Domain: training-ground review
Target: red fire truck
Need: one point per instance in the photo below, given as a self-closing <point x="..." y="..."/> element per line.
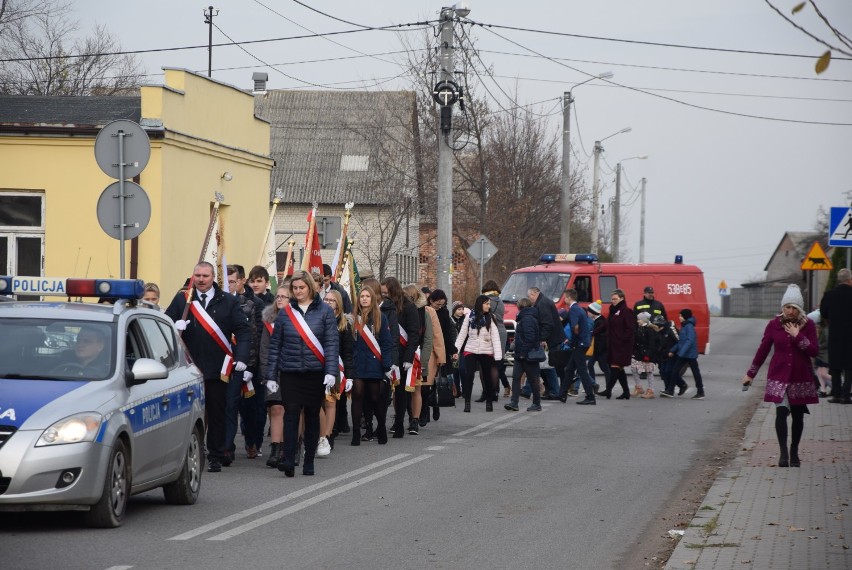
<point x="676" y="286"/>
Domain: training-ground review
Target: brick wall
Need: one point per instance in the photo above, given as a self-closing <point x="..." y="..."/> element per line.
<point x="465" y="276"/>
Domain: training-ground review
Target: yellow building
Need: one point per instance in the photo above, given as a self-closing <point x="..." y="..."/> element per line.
<point x="205" y="138"/>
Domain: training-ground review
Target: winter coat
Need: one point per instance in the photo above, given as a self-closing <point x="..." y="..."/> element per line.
<point x="550" y="329"/>
<point x="836" y="308"/>
<point x="484" y="340"/>
<point x="448" y="329"/>
<point x="366" y="365"/>
<point x="433" y="353"/>
<point x="389" y="311"/>
<point x="687" y="344"/>
<point x="667" y="339"/>
<point x="270" y="313"/>
<point x="620" y="327"/>
<point x="347" y="347"/>
<point x="409" y="320"/>
<point x="527" y="336"/>
<point x="225" y="311"/>
<point x="646" y="345"/>
<point x="653" y="308"/>
<point x="599" y="334"/>
<point x="253" y="310"/>
<point x="579" y="323"/>
<point x="790" y="368"/>
<point x="498" y="309"/>
<point x="289" y="353"/>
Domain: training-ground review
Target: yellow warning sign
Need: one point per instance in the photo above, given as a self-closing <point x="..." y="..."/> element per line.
<point x="816" y="259"/>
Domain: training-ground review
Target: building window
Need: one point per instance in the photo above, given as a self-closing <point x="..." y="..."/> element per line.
<point x="22" y="235"/>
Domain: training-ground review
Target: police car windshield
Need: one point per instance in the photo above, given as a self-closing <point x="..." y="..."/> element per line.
<point x="551" y="284"/>
<point x="37" y="349"/>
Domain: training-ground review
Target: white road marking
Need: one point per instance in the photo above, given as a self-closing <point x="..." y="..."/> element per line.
<point x="317" y="499"/>
<point x="502" y="426"/>
<point x="483" y="426"/>
<point x="435" y="448"/>
<point x="290" y="496"/>
<point x="119" y="568"/>
<point x="453" y="440"/>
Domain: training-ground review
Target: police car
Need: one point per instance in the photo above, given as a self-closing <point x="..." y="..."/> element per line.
<point x="97" y="402"/>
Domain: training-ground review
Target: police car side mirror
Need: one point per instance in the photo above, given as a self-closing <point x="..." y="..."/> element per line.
<point x="145" y="369"/>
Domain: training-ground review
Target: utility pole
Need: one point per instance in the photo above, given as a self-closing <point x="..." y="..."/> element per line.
<point x="596" y="197"/>
<point x="208" y="19"/>
<point x="642" y="226"/>
<point x="446" y="93"/>
<point x="616" y="214"/>
<point x="565" y="196"/>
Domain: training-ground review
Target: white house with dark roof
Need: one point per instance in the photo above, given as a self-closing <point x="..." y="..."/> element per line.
<point x="337" y="147"/>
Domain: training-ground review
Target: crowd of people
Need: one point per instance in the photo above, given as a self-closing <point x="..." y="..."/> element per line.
<point x="305" y="364"/>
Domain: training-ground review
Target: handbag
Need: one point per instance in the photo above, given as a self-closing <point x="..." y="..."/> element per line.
<point x="536" y="355"/>
<point x="441" y="395"/>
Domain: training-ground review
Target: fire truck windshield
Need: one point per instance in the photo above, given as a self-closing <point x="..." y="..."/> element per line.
<point x="551" y="284"/>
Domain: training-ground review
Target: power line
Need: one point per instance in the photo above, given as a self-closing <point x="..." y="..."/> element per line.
<point x="641" y="42"/>
<point x="205" y="46"/>
<point x="672" y="99"/>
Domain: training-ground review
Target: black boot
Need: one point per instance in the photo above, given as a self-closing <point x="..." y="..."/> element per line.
<point x="467" y="405"/>
<point x="275" y="451"/>
<point x="414" y="427"/>
<point x="397" y="429"/>
<point x="783" y="459"/>
<point x="794" y="457"/>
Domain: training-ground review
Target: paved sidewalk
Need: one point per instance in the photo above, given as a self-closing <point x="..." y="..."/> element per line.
<point x="757" y="515"/>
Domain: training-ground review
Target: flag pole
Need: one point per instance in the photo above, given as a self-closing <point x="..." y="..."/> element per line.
<point x="309" y="241"/>
<point x="261" y="258"/>
<point x="353" y="290"/>
<point x="219" y="198"/>
<point x="341" y="259"/>
<point x="287" y="264"/>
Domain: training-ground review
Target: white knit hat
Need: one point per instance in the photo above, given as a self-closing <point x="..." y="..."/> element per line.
<point x="815" y="316"/>
<point x="595" y="307"/>
<point x="793" y="296"/>
<point x="644" y="317"/>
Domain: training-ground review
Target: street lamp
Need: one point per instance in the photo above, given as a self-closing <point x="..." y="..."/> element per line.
<point x="596" y="188"/>
<point x="616" y="211"/>
<point x="565" y="195"/>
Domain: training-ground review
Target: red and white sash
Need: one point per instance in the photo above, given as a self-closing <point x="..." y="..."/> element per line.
<point x="219" y="338"/>
<point x="413" y="373"/>
<point x="403" y="336"/>
<point x="344" y="381"/>
<point x="305" y="332"/>
<point x="270" y="328"/>
<point x="368" y="337"/>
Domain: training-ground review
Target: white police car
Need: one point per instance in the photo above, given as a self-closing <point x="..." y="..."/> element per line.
<point x="97" y="402"/>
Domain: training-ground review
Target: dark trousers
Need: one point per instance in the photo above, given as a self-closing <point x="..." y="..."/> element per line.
<point x="841" y="389"/>
<point x="214" y="406"/>
<point x="680" y="364"/>
<point x="533" y="372"/>
<point x="489" y="381"/>
<point x="232" y="411"/>
<point x="401" y="400"/>
<point x="341" y="416"/>
<point x="253" y="412"/>
<point x="602" y="364"/>
<point x="577" y="364"/>
<point x="291" y="432"/>
<point x="667" y="374"/>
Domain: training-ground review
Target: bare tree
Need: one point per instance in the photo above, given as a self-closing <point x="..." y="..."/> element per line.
<point x="39" y="54"/>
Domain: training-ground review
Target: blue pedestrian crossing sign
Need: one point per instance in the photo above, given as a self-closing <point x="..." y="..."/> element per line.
<point x="840" y="227"/>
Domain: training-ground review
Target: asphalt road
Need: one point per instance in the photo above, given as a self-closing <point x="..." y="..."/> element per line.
<point x="571" y="487"/>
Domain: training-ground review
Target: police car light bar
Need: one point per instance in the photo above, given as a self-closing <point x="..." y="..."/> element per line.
<point x="568" y="257"/>
<point x="62" y="287"/>
<point x="119" y="288"/>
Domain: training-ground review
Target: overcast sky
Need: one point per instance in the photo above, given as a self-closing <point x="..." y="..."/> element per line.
<point x="722" y="188"/>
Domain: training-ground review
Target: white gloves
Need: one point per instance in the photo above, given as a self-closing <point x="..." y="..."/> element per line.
<point x="395" y="372"/>
<point x="406" y="366"/>
<point x="240" y="367"/>
<point x="348" y="387"/>
<point x="247" y="376"/>
<point x="181" y="325"/>
<point x="329" y="381"/>
<point x="271" y="386"/>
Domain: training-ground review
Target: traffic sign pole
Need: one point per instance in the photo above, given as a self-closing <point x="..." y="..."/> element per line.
<point x="120" y="136"/>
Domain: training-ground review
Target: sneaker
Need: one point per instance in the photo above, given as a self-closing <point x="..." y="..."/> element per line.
<point x="534" y="408"/>
<point x="214" y="465"/>
<point x="414" y="427"/>
<point x="259" y="451"/>
<point x="822" y="394"/>
<point x="698" y="396"/>
<point x="649" y="393"/>
<point x="572" y="393"/>
<point x="666" y="394"/>
<point x="323" y="448"/>
<point x="512" y="407"/>
<point x="683" y="389"/>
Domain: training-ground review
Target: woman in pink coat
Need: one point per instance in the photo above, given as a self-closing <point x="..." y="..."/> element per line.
<point x="789" y="381"/>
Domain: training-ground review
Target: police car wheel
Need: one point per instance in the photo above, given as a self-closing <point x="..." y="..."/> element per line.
<point x="185" y="490"/>
<point x="108" y="512"/>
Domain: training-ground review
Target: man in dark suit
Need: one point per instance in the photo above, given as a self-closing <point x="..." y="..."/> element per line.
<point x="552" y="335"/>
<point x="214" y="319"/>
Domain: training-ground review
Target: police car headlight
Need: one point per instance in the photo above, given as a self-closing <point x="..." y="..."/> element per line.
<point x="73" y="429"/>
